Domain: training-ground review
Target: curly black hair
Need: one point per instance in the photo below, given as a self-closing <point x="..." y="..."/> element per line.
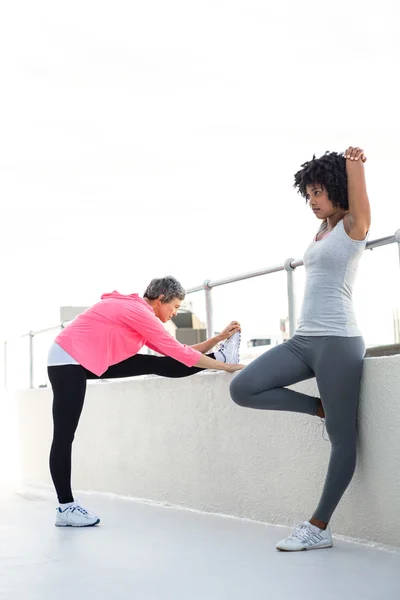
<point x="330" y="171"/>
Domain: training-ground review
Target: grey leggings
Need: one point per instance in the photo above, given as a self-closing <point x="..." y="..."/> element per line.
<point x="336" y="362"/>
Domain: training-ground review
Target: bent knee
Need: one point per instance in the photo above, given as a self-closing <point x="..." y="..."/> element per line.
<point x="240" y="390"/>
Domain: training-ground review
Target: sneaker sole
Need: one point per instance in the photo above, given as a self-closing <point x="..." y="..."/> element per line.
<point x="302" y="549"/>
<point x="67" y="525"/>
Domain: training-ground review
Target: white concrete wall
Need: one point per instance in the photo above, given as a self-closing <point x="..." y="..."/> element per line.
<point x="185" y="442"/>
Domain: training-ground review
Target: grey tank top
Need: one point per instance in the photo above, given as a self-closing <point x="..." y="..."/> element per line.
<point x="331" y="267"/>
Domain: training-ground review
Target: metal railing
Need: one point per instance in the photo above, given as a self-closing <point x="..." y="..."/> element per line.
<point x="289" y="266"/>
<point x="30" y="335"/>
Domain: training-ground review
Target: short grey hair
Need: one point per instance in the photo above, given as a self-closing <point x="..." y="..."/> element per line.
<point x="168" y="287"/>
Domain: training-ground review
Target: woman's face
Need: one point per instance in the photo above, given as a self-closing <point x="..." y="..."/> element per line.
<point x="318" y="200"/>
<point x="165" y="311"/>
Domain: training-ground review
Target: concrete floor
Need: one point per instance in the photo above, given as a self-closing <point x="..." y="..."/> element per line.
<point x="147" y="552"/>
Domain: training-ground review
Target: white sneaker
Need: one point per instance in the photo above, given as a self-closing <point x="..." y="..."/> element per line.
<point x="307" y="537"/>
<point x="324" y="432"/>
<point x="75" y="516"/>
<point x="228" y="351"/>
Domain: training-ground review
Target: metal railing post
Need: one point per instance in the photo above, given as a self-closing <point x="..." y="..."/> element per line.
<point x="31" y="336"/>
<point x="289" y="266"/>
<point x="397" y="236"/>
<point x="291" y="295"/>
<point x="209" y="308"/>
<point x="5" y="365"/>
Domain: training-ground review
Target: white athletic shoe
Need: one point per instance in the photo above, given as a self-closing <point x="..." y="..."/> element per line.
<point x="228" y="351"/>
<point x="324" y="432"/>
<point x="75" y="516"/>
<point x="306" y="537"/>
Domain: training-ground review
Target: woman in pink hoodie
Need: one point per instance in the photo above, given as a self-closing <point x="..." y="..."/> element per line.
<point x="103" y="343"/>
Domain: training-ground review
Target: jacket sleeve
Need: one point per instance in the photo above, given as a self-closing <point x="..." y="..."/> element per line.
<point x="152" y="347"/>
<point x="157" y="338"/>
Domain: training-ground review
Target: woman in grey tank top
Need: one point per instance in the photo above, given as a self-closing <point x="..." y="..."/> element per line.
<point x="327" y="343"/>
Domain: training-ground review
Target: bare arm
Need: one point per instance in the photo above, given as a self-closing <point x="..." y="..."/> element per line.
<point x="206" y="362"/>
<point x="358" y="220"/>
<point x="208" y="345"/>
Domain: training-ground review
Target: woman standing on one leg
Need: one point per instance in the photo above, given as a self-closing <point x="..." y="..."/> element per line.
<point x="102" y="343"/>
<point x="327" y="343"/>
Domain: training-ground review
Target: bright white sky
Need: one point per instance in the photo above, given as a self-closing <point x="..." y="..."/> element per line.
<point x="139" y="139"/>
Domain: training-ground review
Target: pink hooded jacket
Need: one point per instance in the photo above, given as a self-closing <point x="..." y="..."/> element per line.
<point x="116" y="328"/>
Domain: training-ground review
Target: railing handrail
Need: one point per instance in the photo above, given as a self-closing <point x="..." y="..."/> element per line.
<point x="294" y="263"/>
<point x="234" y="278"/>
<point x="33" y="333"/>
<point x="289" y="266"/>
<point x="385" y="241"/>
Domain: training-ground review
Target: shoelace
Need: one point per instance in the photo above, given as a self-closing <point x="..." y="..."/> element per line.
<point x="224" y="344"/>
<point x="304" y="533"/>
<point x="223" y="348"/>
<point x="229" y="340"/>
<point x="80" y="509"/>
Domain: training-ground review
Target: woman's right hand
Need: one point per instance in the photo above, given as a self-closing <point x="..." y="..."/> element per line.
<point x="233" y="368"/>
<point x="355" y="154"/>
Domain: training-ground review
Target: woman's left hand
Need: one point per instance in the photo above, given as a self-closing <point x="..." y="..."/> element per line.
<point x="355" y="154"/>
<point x="232" y="328"/>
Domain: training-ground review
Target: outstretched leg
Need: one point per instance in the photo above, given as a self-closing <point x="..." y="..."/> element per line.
<point x="145" y="364"/>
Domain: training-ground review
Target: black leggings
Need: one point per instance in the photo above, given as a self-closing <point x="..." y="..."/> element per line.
<point x="69" y="388"/>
